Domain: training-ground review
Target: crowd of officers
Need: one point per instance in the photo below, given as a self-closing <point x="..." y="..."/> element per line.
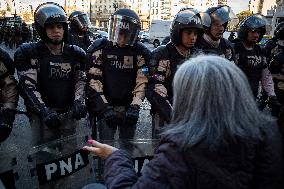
<point x="67" y="72"/>
<point x="14" y="35"/>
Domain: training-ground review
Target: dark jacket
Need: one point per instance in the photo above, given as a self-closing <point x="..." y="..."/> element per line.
<point x="239" y="165"/>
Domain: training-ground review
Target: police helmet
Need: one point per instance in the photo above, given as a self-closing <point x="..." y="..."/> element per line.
<point x="186" y="18"/>
<point x="124" y="22"/>
<point x="224" y="14"/>
<point x="78" y="21"/>
<point x="49" y="13"/>
<point x="254" y="22"/>
<point x="279" y="31"/>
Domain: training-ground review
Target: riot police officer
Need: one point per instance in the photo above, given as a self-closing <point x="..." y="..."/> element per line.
<point x="51" y="76"/>
<point x="212" y="41"/>
<point x="251" y="59"/>
<point x="276" y="64"/>
<point x="79" y="34"/>
<point x="25" y="33"/>
<point x="116" y="82"/>
<point x="186" y="28"/>
<point x="271" y="47"/>
<point x="9" y="95"/>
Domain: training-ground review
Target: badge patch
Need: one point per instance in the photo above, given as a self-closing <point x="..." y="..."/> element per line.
<point x="128" y="62"/>
<point x="60" y="71"/>
<point x="62" y="167"/>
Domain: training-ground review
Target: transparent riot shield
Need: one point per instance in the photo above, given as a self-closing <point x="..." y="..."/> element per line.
<point x="141" y="151"/>
<point x="60" y="165"/>
<point x="60" y="162"/>
<point x="71" y="168"/>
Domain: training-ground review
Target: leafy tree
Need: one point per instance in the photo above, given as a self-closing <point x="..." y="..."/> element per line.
<point x="242" y="15"/>
<point x="8" y="8"/>
<point x="3" y="13"/>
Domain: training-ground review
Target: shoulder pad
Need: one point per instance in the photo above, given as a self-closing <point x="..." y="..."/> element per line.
<point x="159" y="53"/>
<point x="7" y="61"/>
<point x="77" y="51"/>
<point x="142" y="50"/>
<point x="24" y="53"/>
<point x="270" y="44"/>
<point x="228" y="43"/>
<point x="97" y="45"/>
<point x="28" y="49"/>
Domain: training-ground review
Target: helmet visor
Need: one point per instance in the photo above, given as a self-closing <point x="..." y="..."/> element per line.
<point x="123" y="30"/>
<point x="82" y="21"/>
<point x="206" y="20"/>
<point x="224" y="15"/>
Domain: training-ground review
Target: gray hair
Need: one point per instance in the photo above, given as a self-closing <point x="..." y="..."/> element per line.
<point x="213" y="102"/>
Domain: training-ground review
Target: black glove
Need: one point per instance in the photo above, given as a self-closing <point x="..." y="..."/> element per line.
<point x="131" y="115"/>
<point x="7" y="118"/>
<point x="275" y="106"/>
<point x="51" y="119"/>
<point x="78" y="110"/>
<point x="109" y="116"/>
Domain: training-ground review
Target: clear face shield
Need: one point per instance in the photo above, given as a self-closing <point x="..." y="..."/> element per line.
<point x="123" y="30"/>
<point x="82" y="21"/>
<point x="225" y="15"/>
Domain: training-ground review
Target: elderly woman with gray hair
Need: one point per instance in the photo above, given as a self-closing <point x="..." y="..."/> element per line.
<point x="217" y="137"/>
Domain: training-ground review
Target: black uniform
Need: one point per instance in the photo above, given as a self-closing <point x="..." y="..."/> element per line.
<point x="115" y="77"/>
<point x="9" y="95"/>
<point x="224" y="48"/>
<point x="271" y="48"/>
<point x="277" y="70"/>
<point x="26" y="33"/>
<point x="165" y="62"/>
<point x="83" y="40"/>
<point x="252" y="62"/>
<point x="48" y="80"/>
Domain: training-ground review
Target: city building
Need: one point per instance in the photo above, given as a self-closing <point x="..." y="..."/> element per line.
<point x="278" y="14"/>
<point x="222" y="2"/>
<point x="267" y="6"/>
<point x="255" y="6"/>
<point x="79" y="5"/>
<point x="102" y="9"/>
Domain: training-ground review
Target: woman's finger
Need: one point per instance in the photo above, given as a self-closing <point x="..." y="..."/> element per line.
<point x="90" y="149"/>
<point x="96" y="143"/>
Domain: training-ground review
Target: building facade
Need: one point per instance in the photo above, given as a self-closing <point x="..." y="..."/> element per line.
<point x="278" y="14"/>
<point x="102" y="9"/>
<point x="79" y="5"/>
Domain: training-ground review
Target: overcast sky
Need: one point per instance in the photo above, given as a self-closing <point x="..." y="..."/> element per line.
<point x="237" y="5"/>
